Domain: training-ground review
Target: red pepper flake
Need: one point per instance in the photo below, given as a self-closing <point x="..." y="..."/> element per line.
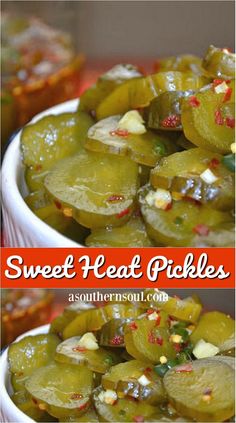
<point x="230" y="122"/>
<point x="133" y="326"/>
<point x="184" y="368"/>
<point x="193" y="101"/>
<point x="150" y="311"/>
<point x="217" y="82"/>
<point x="218" y="118"/>
<point x="171" y="121"/>
<point x="79" y="349"/>
<point x="159" y="340"/>
<point x="114" y="198"/>
<point x="177" y="347"/>
<point x="169" y="206"/>
<point x="57" y="204"/>
<point x="83" y="406"/>
<point x="207" y="391"/>
<point x="214" y="163"/>
<point x="158" y="320"/>
<point x="76" y="396"/>
<point x="192" y="200"/>
<point x="201" y="229"/>
<point x="120" y="133"/>
<point x="34" y="400"/>
<point x="227" y="95"/>
<point x="138" y="419"/>
<point x="148" y="369"/>
<point x="117" y="340"/>
<point x="38" y="167"/>
<point x="123" y="213"/>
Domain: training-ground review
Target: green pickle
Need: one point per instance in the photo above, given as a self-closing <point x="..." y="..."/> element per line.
<point x="131" y="234"/>
<point x="105" y="84"/>
<point x="112" y="333"/>
<point x="124" y="410"/>
<point x="182" y="63"/>
<point x="164" y="111"/>
<point x="145" y="149"/>
<point x="148" y="342"/>
<point x="61" y="389"/>
<point x="189" y="180"/>
<point x="203" y="119"/>
<point x="219" y="62"/>
<point x="198" y="390"/>
<point x="138" y="93"/>
<point x="99" y="189"/>
<point x="98" y="360"/>
<point x="177" y="226"/>
<point x="214" y="327"/>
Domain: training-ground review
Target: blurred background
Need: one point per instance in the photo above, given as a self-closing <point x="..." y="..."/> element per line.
<point x="54" y="50"/>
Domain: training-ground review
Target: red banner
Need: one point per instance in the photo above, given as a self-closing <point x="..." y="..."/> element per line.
<point x="118" y="268"/>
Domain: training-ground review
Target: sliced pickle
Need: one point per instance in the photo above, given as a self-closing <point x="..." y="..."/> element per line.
<point x="93" y="320"/>
<point x="164" y="111"/>
<point x="204" y="121"/>
<point x="25" y="403"/>
<point x="230" y="361"/>
<point x="59" y="323"/>
<point x="90" y="416"/>
<point x="214" y="327"/>
<point x="57" y="218"/>
<point x="105" y="84"/>
<point x="181" y="173"/>
<point x="227" y="348"/>
<point x="145" y="149"/>
<point x="139" y="92"/>
<point x="176" y="226"/>
<point x="29" y="354"/>
<point x="202" y="390"/>
<point x="182" y="63"/>
<point x="98" y="360"/>
<point x="187" y="310"/>
<point x="123" y="410"/>
<point x="131" y="234"/>
<point x="123" y="378"/>
<point x="150" y="340"/>
<point x="219" y="62"/>
<point x="99" y="189"/>
<point x="220" y="237"/>
<point x="53" y="138"/>
<point x="112" y="333"/>
<point x="61" y="389"/>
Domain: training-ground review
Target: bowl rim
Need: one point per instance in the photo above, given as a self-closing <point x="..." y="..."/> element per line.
<point x="12" y="198"/>
<point x="6" y="401"/>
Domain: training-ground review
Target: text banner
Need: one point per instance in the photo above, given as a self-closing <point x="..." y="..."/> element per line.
<point x="118" y="268"/>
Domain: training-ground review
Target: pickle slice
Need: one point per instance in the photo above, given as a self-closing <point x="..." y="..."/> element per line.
<point x="111" y="332"/>
<point x="230" y="361"/>
<point x="25" y="403"/>
<point x="59" y="323"/>
<point x="150" y="340"/>
<point x="131" y="234"/>
<point x="176" y="226"/>
<point x="219" y="62"/>
<point x="105" y="84"/>
<point x="227" y="348"/>
<point x="124" y="410"/>
<point x="182" y="63"/>
<point x="98" y="360"/>
<point x="53" y="138"/>
<point x="164" y="111"/>
<point x="29" y="354"/>
<point x="203" y="392"/>
<point x="61" y="389"/>
<point x="87" y="184"/>
<point x="93" y="320"/>
<point x="90" y="416"/>
<point x="186" y="310"/>
<point x="124" y="379"/>
<point x="203" y="119"/>
<point x="181" y="173"/>
<point x="138" y="93"/>
<point x="145" y="149"/>
<point x="214" y="327"/>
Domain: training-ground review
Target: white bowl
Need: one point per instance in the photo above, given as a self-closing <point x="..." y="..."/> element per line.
<point x="21" y="227"/>
<point x="9" y="411"/>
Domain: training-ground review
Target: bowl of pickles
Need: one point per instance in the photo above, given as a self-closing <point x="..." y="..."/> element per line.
<point x="124" y="361"/>
<point x="142" y="161"/>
